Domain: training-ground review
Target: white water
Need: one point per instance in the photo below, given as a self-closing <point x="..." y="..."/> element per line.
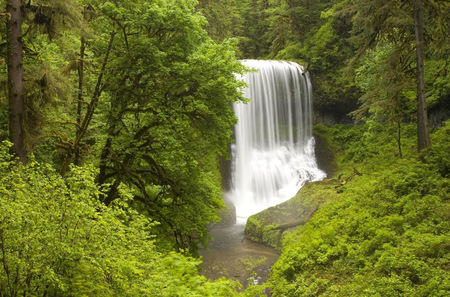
<point x="273" y="156"/>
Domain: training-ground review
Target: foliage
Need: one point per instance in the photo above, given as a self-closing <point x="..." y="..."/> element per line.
<point x="438" y="155"/>
<point x="141" y="92"/>
<point x="357" y="145"/>
<point x="388" y="233"/>
<point x="165" y="105"/>
<point x="45" y="22"/>
<point x="219" y="27"/>
<point x="316" y="33"/>
<point x="56" y="238"/>
<point x="243" y="20"/>
<point x="383" y="67"/>
<point x="339" y="38"/>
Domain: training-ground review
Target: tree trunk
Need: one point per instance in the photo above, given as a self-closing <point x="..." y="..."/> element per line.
<point x="80" y="97"/>
<point x="15" y="79"/>
<point x="92" y="105"/>
<point x="423" y="134"/>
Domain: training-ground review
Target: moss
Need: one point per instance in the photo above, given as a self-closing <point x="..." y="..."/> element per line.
<point x="268" y="226"/>
<point x="265" y="227"/>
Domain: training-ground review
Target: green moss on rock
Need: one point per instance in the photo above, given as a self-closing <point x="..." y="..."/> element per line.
<point x="273" y="224"/>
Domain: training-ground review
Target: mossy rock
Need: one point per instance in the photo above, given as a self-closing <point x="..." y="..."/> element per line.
<point x="271" y="225"/>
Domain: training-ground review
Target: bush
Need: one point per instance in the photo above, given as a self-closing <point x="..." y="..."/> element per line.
<point x="57" y="239"/>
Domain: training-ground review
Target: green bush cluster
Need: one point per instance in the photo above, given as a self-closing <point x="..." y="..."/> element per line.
<point x="388" y="233"/>
<point x="57" y="239"/>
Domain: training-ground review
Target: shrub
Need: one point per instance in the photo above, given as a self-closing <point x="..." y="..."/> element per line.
<point x="57" y="239"/>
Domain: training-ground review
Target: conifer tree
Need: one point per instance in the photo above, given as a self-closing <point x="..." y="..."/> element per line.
<point x="15" y="78"/>
<point x="423" y="134"/>
<point x="28" y="86"/>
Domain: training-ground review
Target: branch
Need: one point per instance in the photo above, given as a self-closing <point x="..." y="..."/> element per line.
<point x="68" y="123"/>
<point x="5" y="265"/>
<point x="305" y="68"/>
<point x="97" y="92"/>
<point x="91" y="108"/>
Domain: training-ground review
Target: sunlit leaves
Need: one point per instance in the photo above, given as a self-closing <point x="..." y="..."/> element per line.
<point x="56" y="238"/>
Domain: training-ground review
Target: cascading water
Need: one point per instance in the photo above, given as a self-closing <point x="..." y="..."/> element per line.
<point x="273" y="155"/>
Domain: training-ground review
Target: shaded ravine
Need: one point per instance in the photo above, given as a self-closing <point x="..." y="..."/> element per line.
<point x="233" y="256"/>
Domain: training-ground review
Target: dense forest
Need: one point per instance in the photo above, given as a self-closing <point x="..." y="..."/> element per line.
<point x="115" y="117"/>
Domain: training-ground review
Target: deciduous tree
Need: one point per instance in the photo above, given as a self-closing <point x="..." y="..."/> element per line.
<point x="157" y="106"/>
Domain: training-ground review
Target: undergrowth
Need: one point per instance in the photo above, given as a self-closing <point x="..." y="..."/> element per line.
<point x="387" y="234"/>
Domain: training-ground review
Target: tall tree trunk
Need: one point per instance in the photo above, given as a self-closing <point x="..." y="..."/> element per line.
<point x="80" y="96"/>
<point x="15" y="79"/>
<point x="423" y="134"/>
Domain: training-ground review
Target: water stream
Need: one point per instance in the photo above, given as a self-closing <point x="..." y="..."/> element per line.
<point x="233" y="256"/>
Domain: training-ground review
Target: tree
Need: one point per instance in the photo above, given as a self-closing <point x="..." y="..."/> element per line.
<point x="292" y="22"/>
<point x="156" y="113"/>
<point x="423" y="134"/>
<point x="224" y="18"/>
<point x="244" y="20"/>
<point x="29" y="85"/>
<point x="16" y="92"/>
<point x="253" y="41"/>
<point x="378" y="22"/>
<point x="381" y="67"/>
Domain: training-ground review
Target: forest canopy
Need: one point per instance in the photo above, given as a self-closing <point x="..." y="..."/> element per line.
<point x="117" y="113"/>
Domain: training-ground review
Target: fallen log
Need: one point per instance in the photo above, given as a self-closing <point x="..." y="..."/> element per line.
<point x="295" y="223"/>
<point x="291" y="224"/>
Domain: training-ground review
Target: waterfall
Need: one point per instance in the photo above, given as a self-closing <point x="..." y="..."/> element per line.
<point x="273" y="153"/>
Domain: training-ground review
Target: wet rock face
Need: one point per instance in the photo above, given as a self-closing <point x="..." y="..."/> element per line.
<point x="227" y="214"/>
<point x="273" y="224"/>
<point x="325" y="155"/>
